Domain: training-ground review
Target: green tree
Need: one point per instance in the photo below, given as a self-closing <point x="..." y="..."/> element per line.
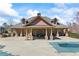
<point x="55" y="20"/>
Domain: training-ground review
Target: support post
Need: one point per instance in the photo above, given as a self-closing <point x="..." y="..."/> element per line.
<point x="64" y="30"/>
<point x="26" y="34"/>
<point x="66" y="33"/>
<point x="46" y="36"/>
<point x="16" y="34"/>
<point x="31" y="34"/>
<point x="57" y="33"/>
<point x="11" y="34"/>
<point x="21" y="33"/>
<point x="51" y="36"/>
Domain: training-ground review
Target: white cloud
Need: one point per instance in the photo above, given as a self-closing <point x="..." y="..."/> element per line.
<point x="64" y="13"/>
<point x="16" y="21"/>
<point x="69" y="12"/>
<point x="9" y="22"/>
<point x="55" y="10"/>
<point x="31" y="12"/>
<point x="6" y="8"/>
<point x="61" y="20"/>
<point x="60" y="5"/>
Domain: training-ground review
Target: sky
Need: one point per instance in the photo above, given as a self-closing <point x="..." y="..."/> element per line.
<point x="14" y="12"/>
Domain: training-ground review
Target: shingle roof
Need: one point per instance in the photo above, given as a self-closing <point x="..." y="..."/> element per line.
<point x="45" y="18"/>
<point x="20" y="25"/>
<point x="60" y="26"/>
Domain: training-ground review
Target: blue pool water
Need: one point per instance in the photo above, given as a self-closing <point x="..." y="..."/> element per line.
<point x="5" y="54"/>
<point x="66" y="46"/>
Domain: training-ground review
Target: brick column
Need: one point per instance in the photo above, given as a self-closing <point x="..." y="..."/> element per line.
<point x="51" y="36"/>
<point x="46" y="36"/>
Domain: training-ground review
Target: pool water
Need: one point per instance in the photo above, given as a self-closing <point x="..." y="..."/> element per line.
<point x="5" y="54"/>
<point x="66" y="46"/>
<point x="69" y="45"/>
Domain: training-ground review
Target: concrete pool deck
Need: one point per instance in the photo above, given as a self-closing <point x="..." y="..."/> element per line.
<point x="21" y="47"/>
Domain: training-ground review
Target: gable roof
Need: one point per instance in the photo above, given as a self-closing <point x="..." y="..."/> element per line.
<point x="36" y="18"/>
<point x="32" y="19"/>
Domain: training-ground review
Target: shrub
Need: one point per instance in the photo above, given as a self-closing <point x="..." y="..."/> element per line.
<point x="73" y="35"/>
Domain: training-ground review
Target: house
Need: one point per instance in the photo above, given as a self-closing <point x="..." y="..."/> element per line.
<point x="39" y="27"/>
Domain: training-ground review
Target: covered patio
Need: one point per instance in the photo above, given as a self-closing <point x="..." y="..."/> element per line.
<point x="48" y="32"/>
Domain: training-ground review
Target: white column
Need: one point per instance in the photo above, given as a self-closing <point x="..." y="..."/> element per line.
<point x="57" y="33"/>
<point x="21" y="33"/>
<point x="46" y="37"/>
<point x="64" y="30"/>
<point x="16" y="33"/>
<point x="26" y="34"/>
<point x="51" y="36"/>
<point x="66" y="33"/>
<point x="11" y="34"/>
<point x="31" y="34"/>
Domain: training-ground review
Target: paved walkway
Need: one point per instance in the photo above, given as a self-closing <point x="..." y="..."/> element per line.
<point x="32" y="47"/>
<point x="28" y="48"/>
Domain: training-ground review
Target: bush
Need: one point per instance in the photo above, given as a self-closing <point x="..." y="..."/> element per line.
<point x="6" y="35"/>
<point x="6" y="32"/>
<point x="73" y="35"/>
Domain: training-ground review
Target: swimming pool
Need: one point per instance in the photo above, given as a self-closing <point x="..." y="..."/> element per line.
<point x="5" y="53"/>
<point x="66" y="46"/>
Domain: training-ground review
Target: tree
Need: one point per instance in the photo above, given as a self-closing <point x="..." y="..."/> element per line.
<point x="5" y="25"/>
<point x="55" y="21"/>
<point x="11" y="22"/>
<point x="75" y="25"/>
<point x="77" y="17"/>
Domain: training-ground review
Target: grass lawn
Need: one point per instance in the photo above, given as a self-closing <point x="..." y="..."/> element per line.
<point x="73" y="35"/>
